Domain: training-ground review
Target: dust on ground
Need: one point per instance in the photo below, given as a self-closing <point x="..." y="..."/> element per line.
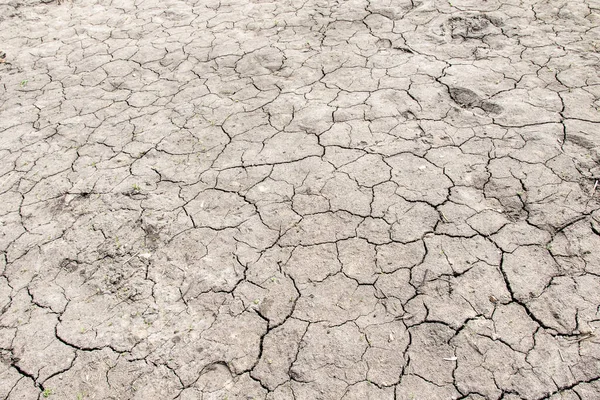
<point x="315" y="199"/>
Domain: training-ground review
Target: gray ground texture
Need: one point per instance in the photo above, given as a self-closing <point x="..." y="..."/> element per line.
<point x="307" y="199"/>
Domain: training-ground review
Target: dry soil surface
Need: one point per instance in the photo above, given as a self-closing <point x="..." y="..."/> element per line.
<point x="307" y="199"/>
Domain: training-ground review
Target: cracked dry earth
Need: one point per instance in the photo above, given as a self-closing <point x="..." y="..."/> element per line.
<point x="312" y="199"/>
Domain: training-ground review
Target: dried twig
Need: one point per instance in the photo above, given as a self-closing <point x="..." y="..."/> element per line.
<point x="130" y="258"/>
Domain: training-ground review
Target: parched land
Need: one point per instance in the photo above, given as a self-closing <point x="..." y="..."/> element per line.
<point x="300" y="199"/>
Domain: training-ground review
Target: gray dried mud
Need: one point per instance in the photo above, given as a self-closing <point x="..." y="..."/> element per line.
<point x="315" y="199"/>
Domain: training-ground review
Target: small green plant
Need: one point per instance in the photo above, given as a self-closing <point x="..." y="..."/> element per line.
<point x="136" y="187"/>
<point x="24" y="82"/>
<point x="47" y="393"/>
